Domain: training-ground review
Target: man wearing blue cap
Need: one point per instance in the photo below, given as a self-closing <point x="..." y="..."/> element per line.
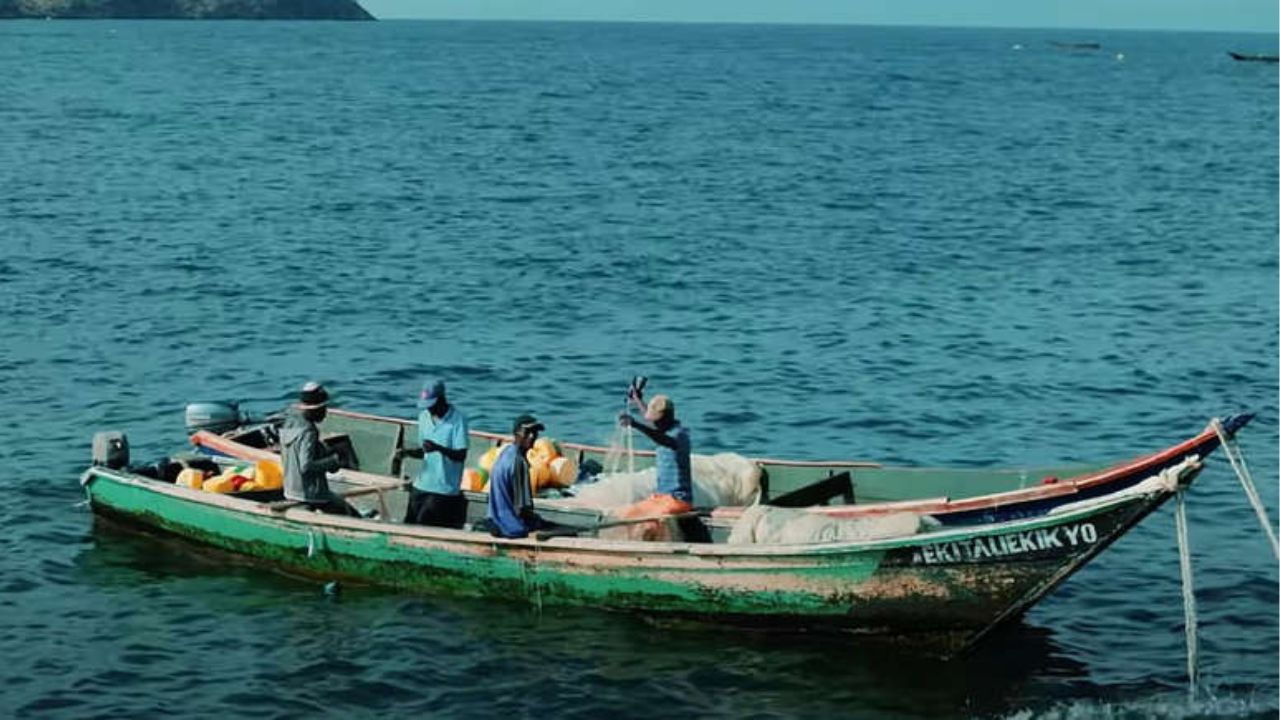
<point x="436" y="496"/>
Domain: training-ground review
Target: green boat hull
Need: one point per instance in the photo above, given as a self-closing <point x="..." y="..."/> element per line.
<point x="955" y="583"/>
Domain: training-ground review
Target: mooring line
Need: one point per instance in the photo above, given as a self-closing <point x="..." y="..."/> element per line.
<point x="85" y="478"/>
<point x="1236" y="458"/>
<point x="1188" y="595"/>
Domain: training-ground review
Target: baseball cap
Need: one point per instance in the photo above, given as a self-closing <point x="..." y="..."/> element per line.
<point x="527" y="422"/>
<point x="432" y="391"/>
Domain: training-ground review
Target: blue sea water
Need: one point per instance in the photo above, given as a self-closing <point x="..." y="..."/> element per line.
<point x="911" y="245"/>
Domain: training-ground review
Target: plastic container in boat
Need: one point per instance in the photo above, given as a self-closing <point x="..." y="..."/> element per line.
<point x="224" y="483"/>
<point x="565" y="471"/>
<point x="268" y="475"/>
<point x="489" y="457"/>
<point x="474" y="479"/>
<point x="190" y="478"/>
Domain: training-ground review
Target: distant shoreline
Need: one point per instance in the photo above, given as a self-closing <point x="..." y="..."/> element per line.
<point x="344" y="10"/>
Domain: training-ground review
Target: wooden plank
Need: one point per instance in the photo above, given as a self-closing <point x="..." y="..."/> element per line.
<point x="396" y="458"/>
<point x="282" y="505"/>
<point x="572" y="532"/>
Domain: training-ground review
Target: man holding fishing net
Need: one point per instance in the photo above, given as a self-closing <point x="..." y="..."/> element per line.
<point x="674" y="492"/>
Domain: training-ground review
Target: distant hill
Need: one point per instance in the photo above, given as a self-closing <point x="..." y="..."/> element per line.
<point x="186" y="9"/>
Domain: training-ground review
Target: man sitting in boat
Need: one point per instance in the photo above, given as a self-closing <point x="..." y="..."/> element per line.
<point x="511" y="512"/>
<point x="436" y="496"/>
<point x="674" y="493"/>
<point x="305" y="458"/>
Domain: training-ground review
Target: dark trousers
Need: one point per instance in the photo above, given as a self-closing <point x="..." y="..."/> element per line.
<point x="334" y="506"/>
<point x="532" y="521"/>
<point x="427" y="508"/>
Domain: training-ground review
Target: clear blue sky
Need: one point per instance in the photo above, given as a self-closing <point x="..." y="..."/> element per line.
<point x="1226" y="15"/>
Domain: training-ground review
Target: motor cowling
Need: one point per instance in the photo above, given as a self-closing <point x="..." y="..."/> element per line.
<point x="111" y="449"/>
<point x="216" y="417"/>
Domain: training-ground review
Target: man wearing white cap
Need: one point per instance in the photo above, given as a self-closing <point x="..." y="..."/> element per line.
<point x="674" y="493"/>
<point x="305" y="459"/>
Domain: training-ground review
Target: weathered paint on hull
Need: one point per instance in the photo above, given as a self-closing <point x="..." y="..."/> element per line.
<point x="951" y="581"/>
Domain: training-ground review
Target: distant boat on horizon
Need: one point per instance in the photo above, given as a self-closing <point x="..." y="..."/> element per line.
<point x="1076" y="45"/>
<point x="1253" y="57"/>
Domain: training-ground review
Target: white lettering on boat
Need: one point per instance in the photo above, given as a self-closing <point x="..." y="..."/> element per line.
<point x="1020" y="543"/>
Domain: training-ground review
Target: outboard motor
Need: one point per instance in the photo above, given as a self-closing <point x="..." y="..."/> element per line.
<point x="216" y="417"/>
<point x="111" y="449"/>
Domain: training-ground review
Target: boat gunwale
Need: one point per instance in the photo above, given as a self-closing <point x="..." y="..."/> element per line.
<point x="1087" y="479"/>
<point x="940" y="504"/>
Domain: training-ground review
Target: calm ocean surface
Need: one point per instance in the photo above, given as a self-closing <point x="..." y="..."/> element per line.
<point x="916" y="246"/>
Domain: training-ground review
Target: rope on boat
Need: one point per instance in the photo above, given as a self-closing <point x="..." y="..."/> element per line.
<point x="631" y="450"/>
<point x="637" y="386"/>
<point x="525" y="570"/>
<point x="1188" y="594"/>
<point x="537" y="586"/>
<point x="85" y="478"/>
<point x="311" y="542"/>
<point x="1236" y="457"/>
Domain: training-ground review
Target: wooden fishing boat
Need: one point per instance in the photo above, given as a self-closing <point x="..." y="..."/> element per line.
<point x="946" y="587"/>
<point x="1253" y="57"/>
<point x="953" y="496"/>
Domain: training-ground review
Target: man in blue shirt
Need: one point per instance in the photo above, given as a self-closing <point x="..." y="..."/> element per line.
<point x="511" y="512"/>
<point x="674" y="493"/>
<point x="436" y="497"/>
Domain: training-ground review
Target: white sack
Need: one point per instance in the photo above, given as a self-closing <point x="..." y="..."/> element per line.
<point x="768" y="525"/>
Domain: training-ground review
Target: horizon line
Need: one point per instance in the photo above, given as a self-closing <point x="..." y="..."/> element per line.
<point x="796" y="23"/>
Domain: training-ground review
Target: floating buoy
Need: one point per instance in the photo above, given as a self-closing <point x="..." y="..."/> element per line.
<point x="565" y="471"/>
<point x="219" y="484"/>
<point x="540" y="476"/>
<point x="474" y="479"/>
<point x="268" y="475"/>
<point x="489" y="457"/>
<point x="543" y="452"/>
<point x="190" y="478"/>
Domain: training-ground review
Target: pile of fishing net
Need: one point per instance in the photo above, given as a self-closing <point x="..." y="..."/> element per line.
<point x="726" y="479"/>
<point x="722" y="480"/>
<point x="767" y="525"/>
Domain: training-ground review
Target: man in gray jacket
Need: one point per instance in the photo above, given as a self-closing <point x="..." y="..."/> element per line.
<point x="305" y="458"/>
